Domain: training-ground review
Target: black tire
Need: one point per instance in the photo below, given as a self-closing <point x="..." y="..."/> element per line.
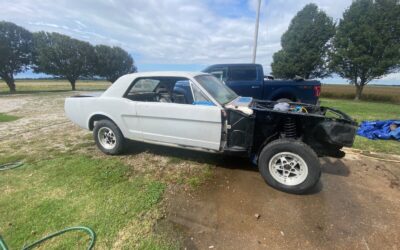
<point x="295" y="148"/>
<point x="118" y="146"/>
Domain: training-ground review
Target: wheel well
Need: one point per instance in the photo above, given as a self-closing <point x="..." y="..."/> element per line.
<point x="287" y="128"/>
<point x="96" y="118"/>
<point x="286" y="96"/>
<point x="267" y="140"/>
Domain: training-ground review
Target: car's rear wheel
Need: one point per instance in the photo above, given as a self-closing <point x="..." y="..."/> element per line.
<point x="290" y="166"/>
<point x="108" y="137"/>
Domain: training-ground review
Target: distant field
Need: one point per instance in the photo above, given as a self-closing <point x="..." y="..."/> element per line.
<point x="28" y="86"/>
<point x="371" y="93"/>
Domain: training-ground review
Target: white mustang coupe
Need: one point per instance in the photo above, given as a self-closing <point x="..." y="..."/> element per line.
<point x="197" y="111"/>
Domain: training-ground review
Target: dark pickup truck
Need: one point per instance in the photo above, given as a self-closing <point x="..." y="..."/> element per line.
<point x="249" y="80"/>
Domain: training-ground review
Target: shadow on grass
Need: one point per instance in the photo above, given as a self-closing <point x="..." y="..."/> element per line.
<point x="328" y="165"/>
<point x="218" y="160"/>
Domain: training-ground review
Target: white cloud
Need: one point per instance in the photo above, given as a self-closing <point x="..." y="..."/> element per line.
<point x="168" y="32"/>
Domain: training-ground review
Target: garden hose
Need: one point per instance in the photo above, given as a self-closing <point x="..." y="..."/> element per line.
<point x="12" y="165"/>
<point x="89" y="231"/>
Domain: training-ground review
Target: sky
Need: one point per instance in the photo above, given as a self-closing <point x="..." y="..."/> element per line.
<point x="172" y="34"/>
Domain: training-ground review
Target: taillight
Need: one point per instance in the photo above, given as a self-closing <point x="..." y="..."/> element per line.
<point x="317" y="91"/>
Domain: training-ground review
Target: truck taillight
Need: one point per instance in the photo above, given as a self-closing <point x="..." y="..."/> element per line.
<point x="317" y="91"/>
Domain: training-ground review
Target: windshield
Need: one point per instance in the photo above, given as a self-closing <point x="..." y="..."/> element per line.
<point x="216" y="89"/>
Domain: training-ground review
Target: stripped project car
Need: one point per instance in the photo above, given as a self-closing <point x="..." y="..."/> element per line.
<point x="197" y="111"/>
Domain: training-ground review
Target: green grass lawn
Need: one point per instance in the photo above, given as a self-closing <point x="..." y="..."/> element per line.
<point x="362" y="111"/>
<point x="7" y="118"/>
<point x="47" y="196"/>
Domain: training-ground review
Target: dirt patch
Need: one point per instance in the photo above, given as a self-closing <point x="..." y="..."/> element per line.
<point x="9" y="104"/>
<point x="43" y="127"/>
<point x="355" y="206"/>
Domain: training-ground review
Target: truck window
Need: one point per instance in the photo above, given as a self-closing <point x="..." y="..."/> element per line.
<point x="220" y="73"/>
<point x="243" y="73"/>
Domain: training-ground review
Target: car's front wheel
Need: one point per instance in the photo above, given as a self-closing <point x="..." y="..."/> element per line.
<point x="108" y="137"/>
<point x="290" y="166"/>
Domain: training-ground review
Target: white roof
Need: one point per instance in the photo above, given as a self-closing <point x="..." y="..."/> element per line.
<point x="121" y="85"/>
<point x="166" y="73"/>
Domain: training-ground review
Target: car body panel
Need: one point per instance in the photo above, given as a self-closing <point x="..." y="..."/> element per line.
<point x="120" y="110"/>
<point x="183" y="125"/>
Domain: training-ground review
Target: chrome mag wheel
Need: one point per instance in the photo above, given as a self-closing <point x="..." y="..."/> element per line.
<point x="107" y="138"/>
<point x="288" y="168"/>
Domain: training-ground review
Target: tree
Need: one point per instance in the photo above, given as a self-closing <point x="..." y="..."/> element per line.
<point x="113" y="62"/>
<point x="305" y="45"/>
<point x="367" y="42"/>
<point x="60" y="55"/>
<point x="16" y="45"/>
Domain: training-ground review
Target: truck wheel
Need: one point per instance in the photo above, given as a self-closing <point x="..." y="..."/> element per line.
<point x="290" y="166"/>
<point x="108" y="137"/>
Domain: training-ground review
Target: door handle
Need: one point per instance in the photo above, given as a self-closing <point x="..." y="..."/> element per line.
<point x="255" y="87"/>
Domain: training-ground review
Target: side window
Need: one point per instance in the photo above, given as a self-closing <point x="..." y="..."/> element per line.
<point x="199" y="98"/>
<point x="220" y="73"/>
<point x="144" y="85"/>
<point x="243" y="73"/>
<point x="143" y="90"/>
<point x="176" y="90"/>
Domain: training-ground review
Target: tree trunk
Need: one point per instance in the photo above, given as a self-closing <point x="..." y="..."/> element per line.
<point x="73" y="84"/>
<point x="359" y="89"/>
<point x="11" y="84"/>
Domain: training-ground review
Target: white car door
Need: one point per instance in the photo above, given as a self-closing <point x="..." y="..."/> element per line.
<point x="128" y="111"/>
<point x="180" y="124"/>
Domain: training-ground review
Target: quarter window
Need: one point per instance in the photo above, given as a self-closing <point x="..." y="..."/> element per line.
<point x="144" y="85"/>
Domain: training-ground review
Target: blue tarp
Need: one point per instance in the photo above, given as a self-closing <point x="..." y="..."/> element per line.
<point x="379" y="130"/>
